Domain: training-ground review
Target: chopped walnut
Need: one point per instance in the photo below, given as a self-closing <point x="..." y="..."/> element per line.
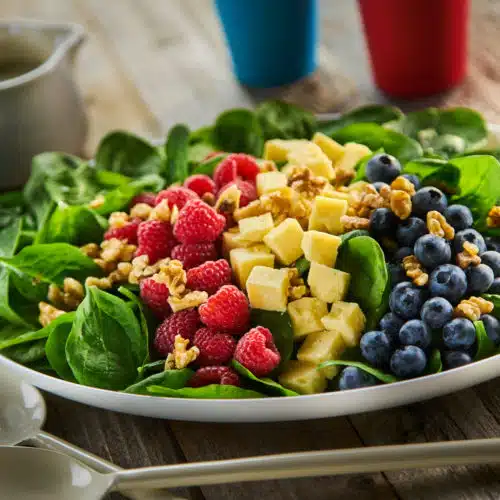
<point x="437" y="225"/>
<point x="141" y="210"/>
<point x="469" y="256"/>
<point x="209" y="199"/>
<point x="400" y="204"/>
<point x="174" y="215"/>
<point x="118" y="219"/>
<point x="55" y="295"/>
<point x="403" y="184"/>
<point x="115" y="250"/>
<point x="493" y="219"/>
<point x="473" y="308"/>
<point x="302" y="180"/>
<point x="48" y="313"/>
<point x="187" y="301"/>
<point x="344" y="175"/>
<point x="161" y="212"/>
<point x="174" y="276"/>
<point x="415" y="271"/>
<point x="91" y="250"/>
<point x="102" y="283"/>
<point x="122" y="273"/>
<point x="181" y="356"/>
<point x="141" y="268"/>
<point x="365" y="200"/>
<point x="107" y="267"/>
<point x="73" y="293"/>
<point x="385" y="192"/>
<point x="297" y="288"/>
<point x="228" y="201"/>
<point x="350" y="222"/>
<point x="97" y="202"/>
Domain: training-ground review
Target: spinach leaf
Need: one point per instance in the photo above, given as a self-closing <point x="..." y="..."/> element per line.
<point x="353" y="234"/>
<point x="387" y="378"/>
<point x="9" y="237"/>
<point x="151" y="368"/>
<point x="265" y="385"/>
<point x="51" y="263"/>
<point x="41" y="365"/>
<point x="110" y="180"/>
<point x="138" y="306"/>
<point x="465" y="123"/>
<point x="26" y="353"/>
<point x="366" y="114"/>
<point x="171" y="379"/>
<point x="238" y="131"/>
<point x="377" y="137"/>
<point x="435" y="172"/>
<point x="280" y="325"/>
<point x="495" y="299"/>
<point x="55" y="348"/>
<point x="176" y="149"/>
<point x="9" y="331"/>
<point x="434" y="363"/>
<point x="23" y="335"/>
<point x="415" y="122"/>
<point x="485" y="347"/>
<point x="198" y="152"/>
<point x="363" y="258"/>
<point x="11" y="208"/>
<point x="202" y="134"/>
<point x="128" y="154"/>
<point x="214" y="391"/>
<point x="303" y="266"/>
<point x="207" y="167"/>
<point x="280" y="120"/>
<point x="106" y="346"/>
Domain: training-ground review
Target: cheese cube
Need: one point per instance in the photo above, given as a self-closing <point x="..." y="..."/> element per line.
<point x="314" y="159"/>
<point x="243" y="260"/>
<point x="285" y="241"/>
<point x="270" y="181"/>
<point x="231" y="241"/>
<point x="267" y="288"/>
<point x="327" y="284"/>
<point x="331" y="148"/>
<point x="330" y="192"/>
<point x="306" y="314"/>
<point x="353" y="152"/>
<point x="320" y="347"/>
<point x="302" y="377"/>
<point x="321" y="247"/>
<point x="255" y="228"/>
<point x="278" y="149"/>
<point x="348" y="319"/>
<point x="326" y="214"/>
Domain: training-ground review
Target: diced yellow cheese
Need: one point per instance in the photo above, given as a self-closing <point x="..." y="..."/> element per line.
<point x="353" y="152"/>
<point x="348" y="319"/>
<point x="243" y="260"/>
<point x="320" y="347"/>
<point x="302" y="377"/>
<point x="306" y="314"/>
<point x="326" y="214"/>
<point x="278" y="149"/>
<point x="285" y="241"/>
<point x="270" y="181"/>
<point x="321" y="247"/>
<point x="330" y="192"/>
<point x="255" y="228"/>
<point x="357" y="186"/>
<point x="331" y="148"/>
<point x="268" y="288"/>
<point x="231" y="241"/>
<point x="314" y="159"/>
<point x="327" y="284"/>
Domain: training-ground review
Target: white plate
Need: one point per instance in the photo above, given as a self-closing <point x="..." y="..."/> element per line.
<point x="272" y="409"/>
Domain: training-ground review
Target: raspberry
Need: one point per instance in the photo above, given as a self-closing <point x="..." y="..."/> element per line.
<point x="209" y="276"/>
<point x="200" y="184"/>
<point x="185" y="323"/>
<point x="176" y="195"/>
<point x="227" y="310"/>
<point x="195" y="254"/>
<point x="155" y="239"/>
<point x="256" y="351"/>
<point x="247" y="189"/>
<point x="226" y="171"/>
<point x="208" y="375"/>
<point x="246" y="166"/>
<point x="147" y="198"/>
<point x="198" y="223"/>
<point x="155" y="295"/>
<point x="216" y="348"/>
<point x="127" y="232"/>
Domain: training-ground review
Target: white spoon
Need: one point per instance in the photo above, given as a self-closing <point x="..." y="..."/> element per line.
<point x="22" y="414"/>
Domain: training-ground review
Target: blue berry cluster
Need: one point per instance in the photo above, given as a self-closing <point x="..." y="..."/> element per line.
<point x="421" y="317"/>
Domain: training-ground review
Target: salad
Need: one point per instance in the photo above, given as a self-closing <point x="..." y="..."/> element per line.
<point x="269" y="254"/>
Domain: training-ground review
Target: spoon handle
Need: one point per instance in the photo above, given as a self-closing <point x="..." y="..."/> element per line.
<point x="319" y="463"/>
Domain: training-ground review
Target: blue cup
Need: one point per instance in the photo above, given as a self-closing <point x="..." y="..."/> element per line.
<point x="272" y="42"/>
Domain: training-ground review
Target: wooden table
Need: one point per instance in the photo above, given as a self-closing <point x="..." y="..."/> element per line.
<point x="150" y="63"/>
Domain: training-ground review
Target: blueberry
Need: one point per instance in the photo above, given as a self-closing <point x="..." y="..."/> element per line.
<point x="454" y="359"/>
<point x="382" y="168"/>
<point x="409" y="361"/>
<point x="436" y="312"/>
<point x="402" y="253"/>
<point x="383" y="222"/>
<point x="470" y="235"/>
<point x="376" y="348"/>
<point x="448" y="281"/>
<point x="415" y="332"/>
<point x="494" y="288"/>
<point x="492" y="327"/>
<point x="479" y="279"/>
<point x="459" y="216"/>
<point x="352" y="377"/>
<point x="432" y="251"/>
<point x="492" y="243"/>
<point x="396" y="273"/>
<point x="410" y="230"/>
<point x="413" y="179"/>
<point x="406" y="300"/>
<point x="492" y="259"/>
<point x="427" y="199"/>
<point x="459" y="334"/>
<point x="391" y="324"/>
<point x="379" y="185"/>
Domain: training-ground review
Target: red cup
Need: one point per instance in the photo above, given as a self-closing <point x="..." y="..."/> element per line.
<point x="417" y="47"/>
